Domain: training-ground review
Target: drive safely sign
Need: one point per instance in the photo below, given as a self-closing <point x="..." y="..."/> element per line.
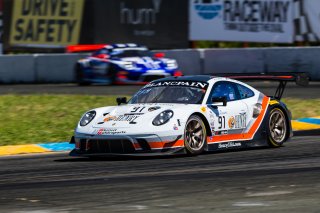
<point x="46" y="22"/>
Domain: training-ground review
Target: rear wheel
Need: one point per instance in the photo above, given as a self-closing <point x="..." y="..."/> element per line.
<point x="195" y="135"/>
<point x="277" y="127"/>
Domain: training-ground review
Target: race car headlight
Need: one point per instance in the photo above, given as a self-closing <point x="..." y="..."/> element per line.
<point x="162" y="118"/>
<point x="87" y="118"/>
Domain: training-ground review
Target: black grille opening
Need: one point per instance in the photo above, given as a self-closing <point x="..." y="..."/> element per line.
<point x="111" y="146"/>
<point x="144" y="144"/>
<point x="116" y="146"/>
<point x="128" y="146"/>
<point x="83" y="145"/>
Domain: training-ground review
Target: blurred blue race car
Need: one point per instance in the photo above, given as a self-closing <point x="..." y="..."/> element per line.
<point x="123" y="64"/>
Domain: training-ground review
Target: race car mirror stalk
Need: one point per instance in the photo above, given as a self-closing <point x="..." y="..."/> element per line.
<point x="121" y="100"/>
<point x="159" y="55"/>
<point x="102" y="56"/>
<point x="216" y="101"/>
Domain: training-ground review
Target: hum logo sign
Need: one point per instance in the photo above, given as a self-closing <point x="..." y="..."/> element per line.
<point x="137" y="16"/>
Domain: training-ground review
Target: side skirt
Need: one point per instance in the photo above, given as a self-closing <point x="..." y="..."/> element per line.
<point x="232" y="145"/>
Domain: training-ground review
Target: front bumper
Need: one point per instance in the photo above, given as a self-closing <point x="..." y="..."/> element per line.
<point x="126" y="145"/>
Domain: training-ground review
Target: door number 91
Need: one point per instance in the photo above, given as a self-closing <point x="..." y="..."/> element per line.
<point x="222" y="122"/>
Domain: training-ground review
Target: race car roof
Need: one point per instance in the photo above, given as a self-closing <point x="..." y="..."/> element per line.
<point x="124" y="46"/>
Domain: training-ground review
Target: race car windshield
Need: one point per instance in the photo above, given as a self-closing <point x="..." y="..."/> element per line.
<point x="101" y="51"/>
<point x="131" y="53"/>
<point x="169" y="94"/>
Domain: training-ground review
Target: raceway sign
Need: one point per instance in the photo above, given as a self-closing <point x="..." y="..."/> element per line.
<point x="241" y="20"/>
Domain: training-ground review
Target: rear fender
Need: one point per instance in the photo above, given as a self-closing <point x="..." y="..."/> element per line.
<point x="279" y="104"/>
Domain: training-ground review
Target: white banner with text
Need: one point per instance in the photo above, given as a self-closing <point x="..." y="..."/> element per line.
<point x="242" y="20"/>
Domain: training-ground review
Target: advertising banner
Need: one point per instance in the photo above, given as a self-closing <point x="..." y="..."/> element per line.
<point x="307" y="20"/>
<point x="44" y="23"/>
<point x="158" y="24"/>
<point x="241" y="20"/>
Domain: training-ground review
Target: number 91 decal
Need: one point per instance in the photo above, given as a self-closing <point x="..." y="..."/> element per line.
<point x="222" y="122"/>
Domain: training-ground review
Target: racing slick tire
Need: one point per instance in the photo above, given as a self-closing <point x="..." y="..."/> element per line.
<point x="195" y="135"/>
<point x="79" y="76"/>
<point x="277" y="127"/>
<point x="112" y="74"/>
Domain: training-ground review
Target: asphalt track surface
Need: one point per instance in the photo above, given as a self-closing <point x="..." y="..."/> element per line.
<point x="292" y="90"/>
<point x="285" y="179"/>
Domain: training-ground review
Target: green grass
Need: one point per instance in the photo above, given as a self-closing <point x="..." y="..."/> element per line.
<point x="44" y="118"/>
<point x="48" y="118"/>
<point x="303" y="108"/>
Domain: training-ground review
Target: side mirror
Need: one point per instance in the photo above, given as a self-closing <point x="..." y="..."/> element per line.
<point x="121" y="100"/>
<point x="159" y="55"/>
<point x="219" y="101"/>
<point x="102" y="56"/>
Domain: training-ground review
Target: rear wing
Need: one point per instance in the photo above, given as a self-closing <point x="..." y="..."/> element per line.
<point x="300" y="78"/>
<point x="84" y="48"/>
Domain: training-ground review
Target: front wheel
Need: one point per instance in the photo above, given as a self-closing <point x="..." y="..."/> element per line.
<point x="277" y="127"/>
<point x="112" y="73"/>
<point x="195" y="135"/>
<point x="79" y="76"/>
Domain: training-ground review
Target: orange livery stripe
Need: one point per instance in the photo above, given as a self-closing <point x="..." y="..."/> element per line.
<point x="243" y="136"/>
<point x="166" y="144"/>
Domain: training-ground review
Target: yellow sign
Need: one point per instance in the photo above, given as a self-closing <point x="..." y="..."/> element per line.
<point x="46" y="22"/>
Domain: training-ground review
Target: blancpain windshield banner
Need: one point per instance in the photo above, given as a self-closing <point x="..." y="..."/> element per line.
<point x="242" y="20"/>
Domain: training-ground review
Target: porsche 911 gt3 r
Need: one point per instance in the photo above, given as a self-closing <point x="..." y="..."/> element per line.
<point x="123" y="64"/>
<point x="188" y="114"/>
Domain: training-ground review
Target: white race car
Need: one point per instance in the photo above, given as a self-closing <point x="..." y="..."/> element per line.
<point x="186" y="115"/>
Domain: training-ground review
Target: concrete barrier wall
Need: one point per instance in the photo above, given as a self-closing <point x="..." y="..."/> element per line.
<point x="59" y="68"/>
<point x="52" y="68"/>
<point x="233" y="61"/>
<point x="189" y="61"/>
<point x="17" y="69"/>
<point x="293" y="60"/>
